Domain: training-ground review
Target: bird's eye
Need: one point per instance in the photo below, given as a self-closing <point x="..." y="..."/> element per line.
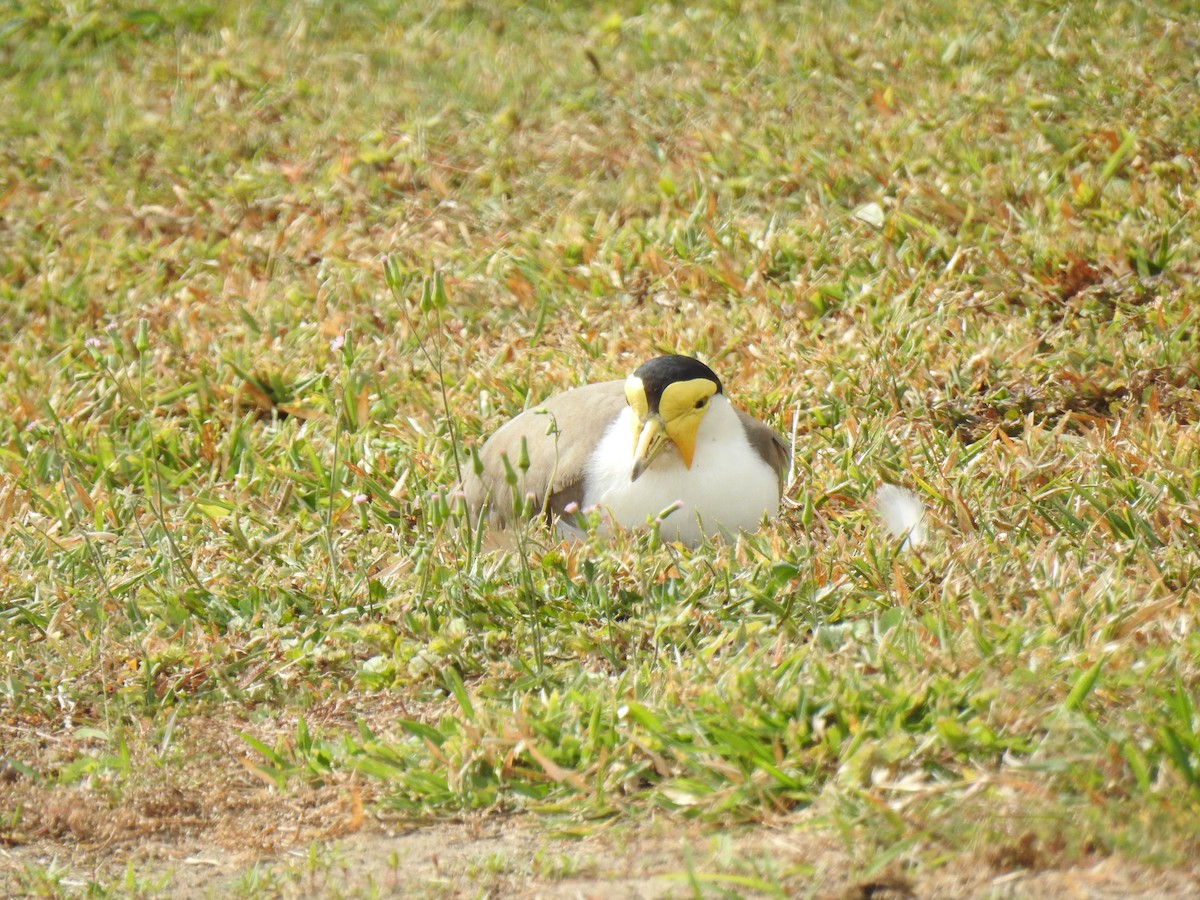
<point x="701" y="402"/>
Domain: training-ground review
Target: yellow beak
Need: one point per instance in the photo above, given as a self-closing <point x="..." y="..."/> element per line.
<point x="652" y="439"/>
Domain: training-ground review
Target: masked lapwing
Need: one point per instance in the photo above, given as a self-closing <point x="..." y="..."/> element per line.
<point x="665" y="440"/>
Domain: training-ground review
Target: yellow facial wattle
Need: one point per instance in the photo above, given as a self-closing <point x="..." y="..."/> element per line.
<point x="680" y="410"/>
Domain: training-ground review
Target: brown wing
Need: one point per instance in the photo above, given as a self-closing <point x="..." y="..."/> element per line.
<point x="770" y="445"/>
<point x="559" y="435"/>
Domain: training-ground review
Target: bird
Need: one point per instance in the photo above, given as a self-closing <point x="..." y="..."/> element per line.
<point x="663" y="446"/>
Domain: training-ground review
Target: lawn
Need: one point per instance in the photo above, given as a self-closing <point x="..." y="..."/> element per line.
<point x="269" y="270"/>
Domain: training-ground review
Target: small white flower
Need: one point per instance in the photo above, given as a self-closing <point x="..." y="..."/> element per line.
<point x="360" y="499"/>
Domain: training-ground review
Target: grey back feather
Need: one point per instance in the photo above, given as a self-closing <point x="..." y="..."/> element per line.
<point x="559" y="435"/>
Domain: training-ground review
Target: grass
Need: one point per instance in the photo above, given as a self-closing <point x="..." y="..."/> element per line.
<point x="268" y="274"/>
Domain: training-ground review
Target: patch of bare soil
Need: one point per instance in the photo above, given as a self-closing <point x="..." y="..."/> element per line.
<point x="514" y="857"/>
<point x="209" y="826"/>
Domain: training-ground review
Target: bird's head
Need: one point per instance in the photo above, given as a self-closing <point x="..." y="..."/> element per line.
<point x="669" y="396"/>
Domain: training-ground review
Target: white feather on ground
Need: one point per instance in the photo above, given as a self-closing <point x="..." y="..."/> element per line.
<point x="902" y="514"/>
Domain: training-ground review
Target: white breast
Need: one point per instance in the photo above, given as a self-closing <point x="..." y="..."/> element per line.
<point x="729" y="487"/>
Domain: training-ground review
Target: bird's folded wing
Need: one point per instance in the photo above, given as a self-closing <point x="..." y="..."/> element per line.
<point x="559" y="435"/>
<point x="769" y="443"/>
